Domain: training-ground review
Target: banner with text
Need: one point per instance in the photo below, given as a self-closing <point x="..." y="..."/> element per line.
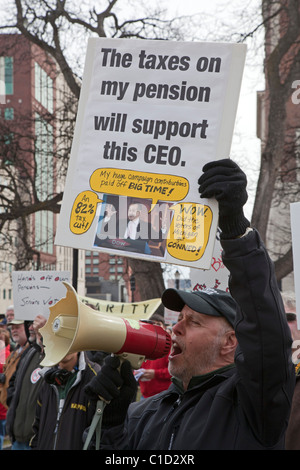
<point x="136" y="310"/>
<point x="151" y="114"/>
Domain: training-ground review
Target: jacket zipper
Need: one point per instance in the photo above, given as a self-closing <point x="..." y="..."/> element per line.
<point x="176" y="404"/>
<point x="60" y="405"/>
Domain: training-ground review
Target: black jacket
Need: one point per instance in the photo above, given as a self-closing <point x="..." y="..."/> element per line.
<point x="22" y="394"/>
<point x="56" y="429"/>
<point x="246" y="406"/>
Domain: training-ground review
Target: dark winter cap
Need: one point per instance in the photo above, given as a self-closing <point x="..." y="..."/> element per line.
<point x="213" y="302"/>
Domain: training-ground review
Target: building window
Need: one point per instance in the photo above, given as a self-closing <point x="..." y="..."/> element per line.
<point x="43" y="88"/>
<point x="6" y="74"/>
<point x="8" y="114"/>
<point x="44" y="184"/>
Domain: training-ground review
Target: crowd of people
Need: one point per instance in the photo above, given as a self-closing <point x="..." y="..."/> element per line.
<point x="230" y="381"/>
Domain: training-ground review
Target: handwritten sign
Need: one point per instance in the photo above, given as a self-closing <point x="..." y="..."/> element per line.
<point x="295" y="228"/>
<point x="34" y="292"/>
<point x="151" y="114"/>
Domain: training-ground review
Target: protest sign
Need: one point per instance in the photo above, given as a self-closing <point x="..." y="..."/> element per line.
<point x="295" y="229"/>
<point x="151" y="114"/>
<point x="136" y="310"/>
<point x="217" y="277"/>
<point x="34" y="292"/>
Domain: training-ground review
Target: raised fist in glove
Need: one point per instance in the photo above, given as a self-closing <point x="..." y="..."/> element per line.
<point x="116" y="388"/>
<point x="226" y="182"/>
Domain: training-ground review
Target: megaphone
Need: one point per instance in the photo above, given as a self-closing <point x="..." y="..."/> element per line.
<point x="73" y="326"/>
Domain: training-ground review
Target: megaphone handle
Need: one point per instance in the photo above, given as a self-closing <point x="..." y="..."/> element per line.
<point x="95" y="426"/>
<point x="97" y="421"/>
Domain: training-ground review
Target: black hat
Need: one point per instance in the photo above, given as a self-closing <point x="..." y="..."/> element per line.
<point x="157" y="317"/>
<point x="213" y="302"/>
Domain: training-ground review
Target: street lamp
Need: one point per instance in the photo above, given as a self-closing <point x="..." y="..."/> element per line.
<point x="177" y="279"/>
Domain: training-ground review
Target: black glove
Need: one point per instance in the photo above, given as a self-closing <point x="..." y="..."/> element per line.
<point x="118" y="389"/>
<point x="225" y="181"/>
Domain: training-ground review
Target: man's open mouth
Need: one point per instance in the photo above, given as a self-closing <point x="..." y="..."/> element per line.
<point x="175" y="350"/>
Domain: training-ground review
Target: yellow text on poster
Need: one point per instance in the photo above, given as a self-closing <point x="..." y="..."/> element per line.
<point x="139" y="184"/>
<point x="83" y="212"/>
<point x="189" y="231"/>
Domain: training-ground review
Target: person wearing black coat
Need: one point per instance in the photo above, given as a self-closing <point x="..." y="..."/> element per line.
<point x="233" y="376"/>
<point x="63" y="410"/>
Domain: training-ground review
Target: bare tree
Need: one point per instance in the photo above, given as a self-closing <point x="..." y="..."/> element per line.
<point x="277" y="183"/>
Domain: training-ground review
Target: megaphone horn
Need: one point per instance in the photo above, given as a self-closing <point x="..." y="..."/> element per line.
<point x="73" y="326"/>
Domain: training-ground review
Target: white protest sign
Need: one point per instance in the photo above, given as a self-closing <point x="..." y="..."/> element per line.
<point x="217" y="277"/>
<point x="151" y="114"/>
<point x="295" y="229"/>
<point x="34" y="292"/>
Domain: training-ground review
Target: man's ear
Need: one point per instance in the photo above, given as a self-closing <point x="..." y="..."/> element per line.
<point x="230" y="343"/>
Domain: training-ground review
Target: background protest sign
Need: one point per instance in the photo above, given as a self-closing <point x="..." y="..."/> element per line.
<point x="295" y="229"/>
<point x="151" y="114"/>
<point x="217" y="277"/>
<point x="136" y="311"/>
<point x="34" y="292"/>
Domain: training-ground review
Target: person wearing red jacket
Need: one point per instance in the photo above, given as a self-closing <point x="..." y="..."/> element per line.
<point x="4" y="353"/>
<point x="154" y="376"/>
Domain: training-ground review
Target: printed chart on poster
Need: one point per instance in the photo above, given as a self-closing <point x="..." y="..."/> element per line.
<point x="151" y="114"/>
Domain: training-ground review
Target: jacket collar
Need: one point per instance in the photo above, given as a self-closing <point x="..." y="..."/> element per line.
<point x="211" y="378"/>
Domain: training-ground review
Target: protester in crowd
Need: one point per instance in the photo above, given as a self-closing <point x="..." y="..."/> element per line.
<point x="9" y="316"/>
<point x="233" y="378"/>
<point x="63" y="409"/>
<point x="23" y="389"/>
<point x="153" y="375"/>
<point x="4" y="353"/>
<point x="20" y="339"/>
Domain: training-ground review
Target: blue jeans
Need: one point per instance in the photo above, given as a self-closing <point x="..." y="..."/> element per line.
<point x="2" y="432"/>
<point x="20" y="446"/>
